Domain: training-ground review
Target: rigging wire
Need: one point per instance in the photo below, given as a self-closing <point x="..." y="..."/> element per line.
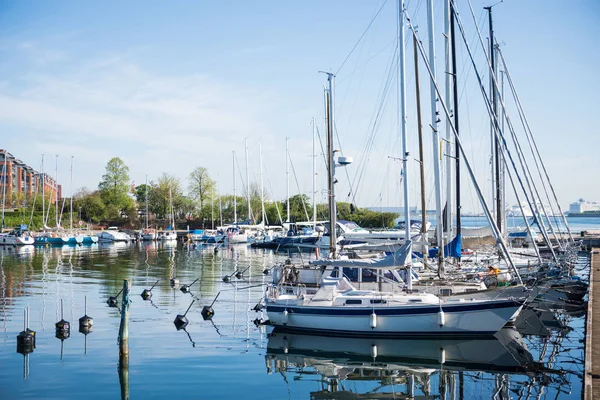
<point x="360" y="38"/>
<point x="298" y="185"/>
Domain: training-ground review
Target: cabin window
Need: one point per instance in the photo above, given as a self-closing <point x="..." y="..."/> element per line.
<point x="415" y="300"/>
<point x="380" y="301"/>
<point x="470" y="290"/>
<point x="445" y="292"/>
<point x="353" y="302"/>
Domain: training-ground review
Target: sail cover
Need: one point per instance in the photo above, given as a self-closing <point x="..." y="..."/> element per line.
<point x="397" y="259"/>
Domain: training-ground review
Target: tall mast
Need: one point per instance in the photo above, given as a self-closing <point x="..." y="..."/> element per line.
<point x="234" y="193"/>
<point x="248" y="182"/>
<point x="146" y="186"/>
<point x="331" y="166"/>
<point x="262" y="186"/>
<point x="314" y="166"/>
<point x="56" y="190"/>
<point x="495" y="144"/>
<point x="43" y="178"/>
<point x="436" y="142"/>
<point x="421" y="152"/>
<point x="71" y="190"/>
<point x="405" y="154"/>
<point x="4" y="183"/>
<point x="287" y="177"/>
<point x="220" y="206"/>
<point x="448" y="141"/>
<point x="455" y="101"/>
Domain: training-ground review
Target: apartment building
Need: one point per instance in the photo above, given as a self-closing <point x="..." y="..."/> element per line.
<point x="20" y="181"/>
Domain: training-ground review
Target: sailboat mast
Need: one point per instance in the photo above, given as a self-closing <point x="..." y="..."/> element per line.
<point x="287" y="177"/>
<point x="56" y="190"/>
<point x="402" y="110"/>
<point x="71" y="190"/>
<point x="331" y="166"/>
<point x="421" y="151"/>
<point x="248" y="182"/>
<point x="314" y="166"/>
<point x="495" y="144"/>
<point x="455" y="101"/>
<point x="405" y="154"/>
<point x="234" y="193"/>
<point x="262" y="186"/>
<point x="4" y="183"/>
<point x="220" y="206"/>
<point x="436" y="143"/>
<point x="448" y="141"/>
<point x="146" y="186"/>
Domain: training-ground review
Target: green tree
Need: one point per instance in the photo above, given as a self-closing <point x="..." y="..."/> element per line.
<point x="201" y="187"/>
<point x="114" y="189"/>
<point x="166" y="187"/>
<point x="90" y="205"/>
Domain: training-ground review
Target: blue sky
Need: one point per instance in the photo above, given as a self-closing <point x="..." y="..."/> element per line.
<point x="168" y="86"/>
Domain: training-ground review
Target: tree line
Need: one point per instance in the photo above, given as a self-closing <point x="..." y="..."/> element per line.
<point x="199" y="205"/>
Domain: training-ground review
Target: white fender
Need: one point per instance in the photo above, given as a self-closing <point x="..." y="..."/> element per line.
<point x="373" y="321"/>
<point x="441" y="318"/>
<point x="374" y="351"/>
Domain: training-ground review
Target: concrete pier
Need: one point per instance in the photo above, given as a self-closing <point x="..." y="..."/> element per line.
<point x="591" y="380"/>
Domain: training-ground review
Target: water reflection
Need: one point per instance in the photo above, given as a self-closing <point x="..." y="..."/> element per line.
<point x="402" y="367"/>
<point x="223" y="356"/>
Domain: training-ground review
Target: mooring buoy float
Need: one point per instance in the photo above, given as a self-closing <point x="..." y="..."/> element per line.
<point x="63" y="327"/>
<point x="186" y="288"/>
<point x="180" y="320"/>
<point x="147" y="293"/>
<point x="86" y="322"/>
<point x="112" y="300"/>
<point x="207" y="311"/>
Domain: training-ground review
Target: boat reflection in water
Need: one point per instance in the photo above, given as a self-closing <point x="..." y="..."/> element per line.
<point x="410" y="362"/>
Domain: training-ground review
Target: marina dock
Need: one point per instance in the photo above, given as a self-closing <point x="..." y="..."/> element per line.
<point x="592" y="331"/>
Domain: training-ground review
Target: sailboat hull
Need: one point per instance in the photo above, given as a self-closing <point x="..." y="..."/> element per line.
<point x="472" y="318"/>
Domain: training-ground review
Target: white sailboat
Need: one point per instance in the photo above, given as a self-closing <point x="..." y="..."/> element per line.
<point x="337" y="307"/>
<point x="169" y="234"/>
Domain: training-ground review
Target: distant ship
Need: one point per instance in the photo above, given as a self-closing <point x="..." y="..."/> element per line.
<point x="515" y="211"/>
<point x="582" y="208"/>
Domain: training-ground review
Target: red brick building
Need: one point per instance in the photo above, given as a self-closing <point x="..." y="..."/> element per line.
<point x="19" y="181"/>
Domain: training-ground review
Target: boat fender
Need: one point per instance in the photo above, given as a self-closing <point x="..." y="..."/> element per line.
<point x="441" y="318"/>
<point x="442" y="356"/>
<point x="285" y="345"/>
<point x="373" y="321"/>
<point x="374" y="351"/>
<point x="285" y="317"/>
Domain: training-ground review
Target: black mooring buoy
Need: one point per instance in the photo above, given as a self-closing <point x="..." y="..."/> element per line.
<point x="174" y="282"/>
<point x="147" y="293"/>
<point x="207" y="311"/>
<point x="26" y="338"/>
<point x="186" y="288"/>
<point x="63" y="327"/>
<point x="239" y="274"/>
<point x="112" y="300"/>
<point x="180" y="320"/>
<point x="266" y="271"/>
<point x="257" y="307"/>
<point x="86" y="322"/>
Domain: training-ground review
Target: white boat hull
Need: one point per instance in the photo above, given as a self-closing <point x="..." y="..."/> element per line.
<point x="461" y="318"/>
<point x="11" y="240"/>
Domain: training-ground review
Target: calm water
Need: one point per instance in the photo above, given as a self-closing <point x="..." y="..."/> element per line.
<point x="230" y="357"/>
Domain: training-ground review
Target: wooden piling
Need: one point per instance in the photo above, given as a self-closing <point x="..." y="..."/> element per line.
<point x="124" y="327"/>
<point x="124" y="343"/>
